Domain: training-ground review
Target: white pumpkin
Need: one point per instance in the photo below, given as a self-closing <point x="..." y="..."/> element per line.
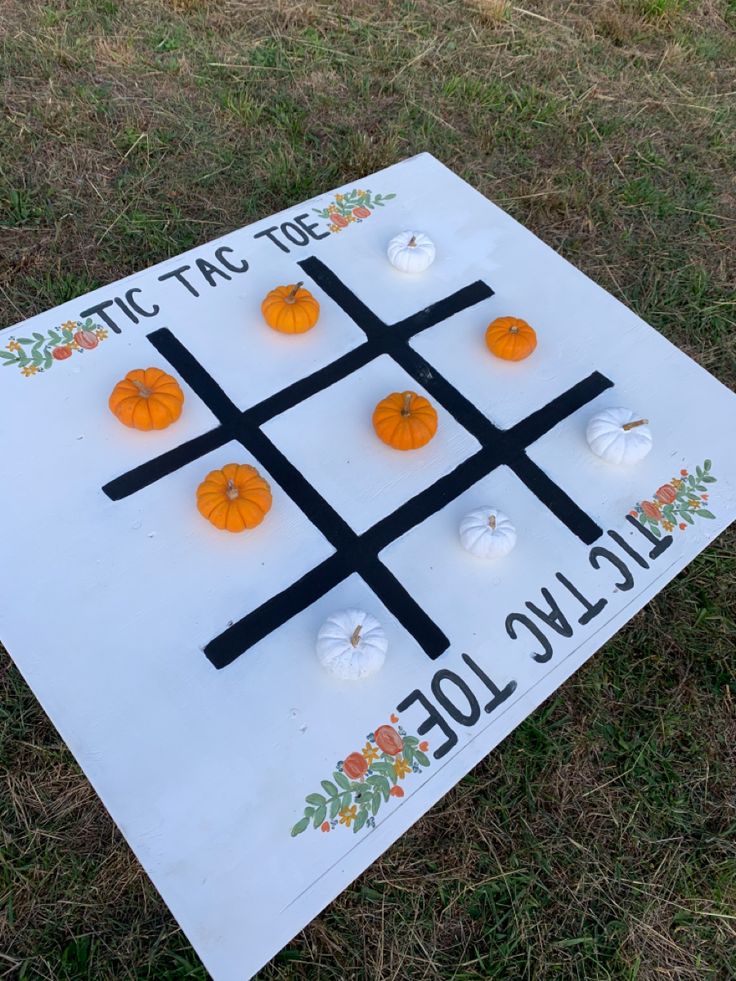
<point x="411" y="252"/>
<point x="619" y="436"/>
<point x="351" y="645"/>
<point x="487" y="533"/>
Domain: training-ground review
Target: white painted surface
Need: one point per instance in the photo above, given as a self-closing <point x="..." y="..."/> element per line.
<point x="105" y="606"/>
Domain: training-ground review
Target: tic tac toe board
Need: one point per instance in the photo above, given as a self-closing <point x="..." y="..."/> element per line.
<point x="178" y="661"/>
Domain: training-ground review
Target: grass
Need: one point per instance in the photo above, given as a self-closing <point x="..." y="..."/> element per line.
<point x="598" y="841"/>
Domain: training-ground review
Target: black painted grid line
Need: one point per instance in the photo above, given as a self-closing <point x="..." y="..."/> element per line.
<point x="360" y="553"/>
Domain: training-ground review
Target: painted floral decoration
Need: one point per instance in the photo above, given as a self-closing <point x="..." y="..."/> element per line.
<point x="355" y="205"/>
<point x="364" y="780"/>
<point x="678" y="502"/>
<point x="39" y="352"/>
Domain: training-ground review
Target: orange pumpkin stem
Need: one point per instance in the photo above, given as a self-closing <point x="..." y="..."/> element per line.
<point x="412" y="242"/>
<point x="406" y="407"/>
<point x="355" y="639"/>
<point x="232" y="491"/>
<point x="492" y="522"/>
<point x="632" y="425"/>
<point x="143" y="391"/>
<point x="291" y="297"/>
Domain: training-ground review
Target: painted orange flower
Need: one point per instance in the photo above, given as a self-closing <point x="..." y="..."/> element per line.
<point x="683" y="473"/>
<point x="424" y="746"/>
<point x="401" y="768"/>
<point x="397" y="791"/>
<point x="31" y="369"/>
<point x="682" y="526"/>
<point x="325" y="826"/>
<point x="348" y="815"/>
<point x="14" y="346"/>
<point x="69" y="325"/>
<point x="394" y="717"/>
<point x="370" y="753"/>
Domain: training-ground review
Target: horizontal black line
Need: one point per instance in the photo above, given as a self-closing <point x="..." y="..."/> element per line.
<point x="161" y="466"/>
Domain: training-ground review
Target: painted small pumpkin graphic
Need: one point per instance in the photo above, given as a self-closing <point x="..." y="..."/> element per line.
<point x="62" y="352"/>
<point x="355" y="766"/>
<point x="361" y="211"/>
<point x="235" y="498"/>
<point x="290" y="309"/>
<point x="405" y="420"/>
<point x="86" y="339"/>
<point x="147" y="398"/>
<point x="510" y="338"/>
<point x="651" y="510"/>
<point x="619" y="436"/>
<point x="388" y="740"/>
<point x="666" y="494"/>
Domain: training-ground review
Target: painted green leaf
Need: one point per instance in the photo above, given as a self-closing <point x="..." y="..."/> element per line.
<point x="687" y="517"/>
<point x="703" y="513"/>
<point x="388" y="197"/>
<point x="376" y="803"/>
<point x="300" y="826"/>
<point x="707" y="465"/>
<point x="422" y="758"/>
<point x="360" y="819"/>
<point x="48" y="361"/>
<point x="319" y="815"/>
<point x="7" y="356"/>
<point x="409" y="752"/>
<point x="316" y="799"/>
<point x="707" y="479"/>
<point x="24" y="340"/>
<point x="39" y="337"/>
<point x="346" y="799"/>
<point x="329" y="788"/>
<point x="341" y="780"/>
<point x="335" y="804"/>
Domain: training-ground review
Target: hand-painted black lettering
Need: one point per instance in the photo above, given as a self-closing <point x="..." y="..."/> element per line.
<point x="598" y="552"/>
<point x="209" y="270"/>
<point x="220" y="256"/>
<point x="309" y="226"/>
<point x="100" y="310"/>
<point x="179" y="275"/>
<point x="533" y="629"/>
<point x="434" y="719"/>
<point x="591" y="609"/>
<point x="554" y="617"/>
<point x="660" y="544"/>
<point x="499" y="694"/>
<point x="468" y="718"/>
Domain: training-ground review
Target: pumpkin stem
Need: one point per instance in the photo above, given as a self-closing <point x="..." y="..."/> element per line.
<point x="632" y="425"/>
<point x="412" y="242"/>
<point x="492" y="522"/>
<point x="406" y="407"/>
<point x="291" y="297"/>
<point x="513" y="330"/>
<point x="231" y="491"/>
<point x="143" y="390"/>
<point x="355" y="639"/>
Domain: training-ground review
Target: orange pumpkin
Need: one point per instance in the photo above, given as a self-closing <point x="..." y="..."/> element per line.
<point x="147" y="398"/>
<point x="234" y="498"/>
<point x="511" y="338"/>
<point x="405" y="420"/>
<point x="290" y="309"/>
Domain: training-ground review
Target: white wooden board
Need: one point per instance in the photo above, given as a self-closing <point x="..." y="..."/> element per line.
<point x="109" y="597"/>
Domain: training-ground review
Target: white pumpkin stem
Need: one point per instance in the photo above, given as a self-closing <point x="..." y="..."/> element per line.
<point x="355" y="639"/>
<point x="291" y="297"/>
<point x="406" y="407"/>
<point x="492" y="522"/>
<point x="632" y="425"/>
<point x="143" y="390"/>
<point x="513" y="330"/>
<point x="231" y="491"/>
<point x="412" y="242"/>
